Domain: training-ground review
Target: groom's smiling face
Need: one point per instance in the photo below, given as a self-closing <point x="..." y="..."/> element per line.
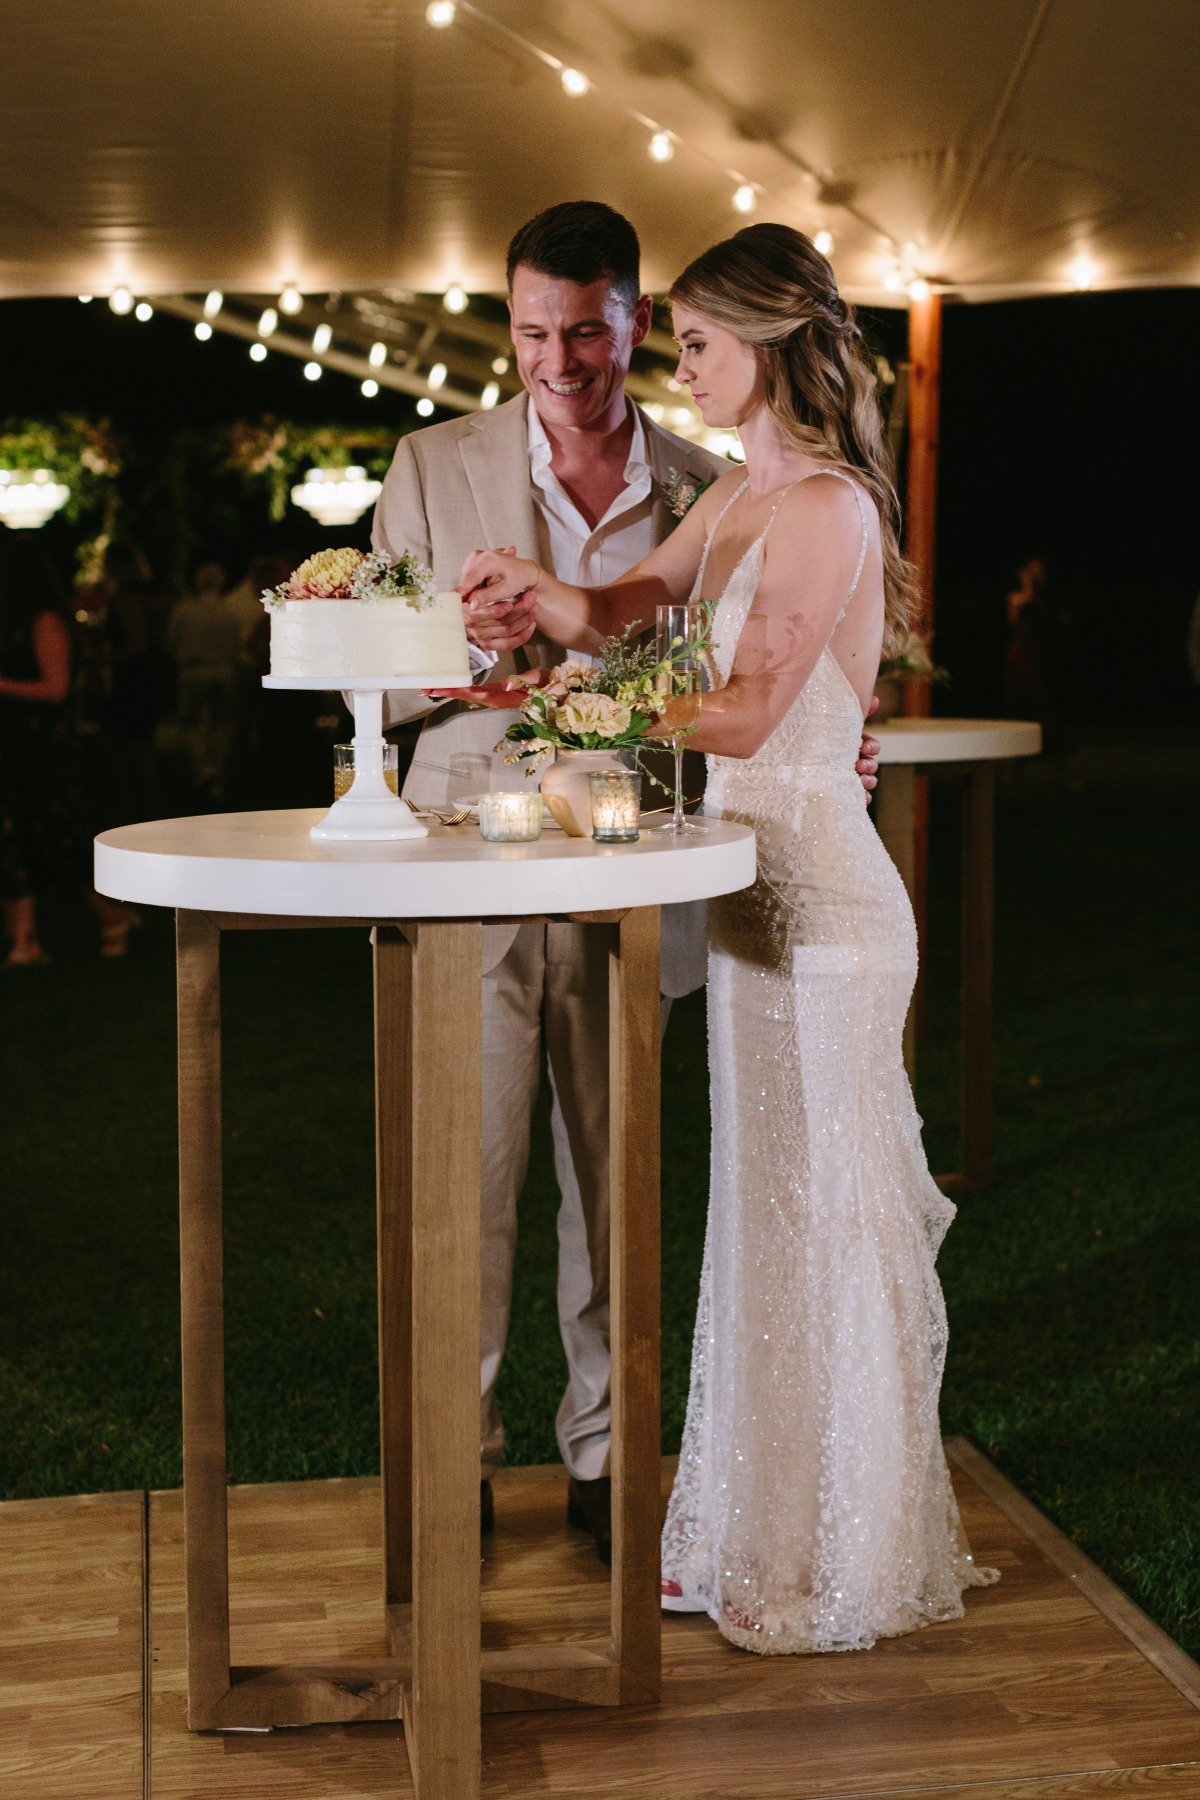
<point x="574" y="341"/>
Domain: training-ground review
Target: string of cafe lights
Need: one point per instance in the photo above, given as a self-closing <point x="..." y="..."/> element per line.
<point x="662" y="145"/>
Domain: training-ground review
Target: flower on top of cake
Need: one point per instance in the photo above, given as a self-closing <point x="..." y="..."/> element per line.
<point x="349" y="575"/>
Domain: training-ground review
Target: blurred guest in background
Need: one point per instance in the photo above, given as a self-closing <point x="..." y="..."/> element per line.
<point x="43" y="834"/>
<point x="205" y="641"/>
<point x="136" y="686"/>
<point x="1033" y="657"/>
<point x="245" y="603"/>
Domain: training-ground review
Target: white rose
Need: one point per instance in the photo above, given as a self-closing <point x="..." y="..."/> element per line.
<point x="596" y="715"/>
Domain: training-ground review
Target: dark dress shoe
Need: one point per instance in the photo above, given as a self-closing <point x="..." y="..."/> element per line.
<point x="487" y="1512"/>
<point x="589" y="1508"/>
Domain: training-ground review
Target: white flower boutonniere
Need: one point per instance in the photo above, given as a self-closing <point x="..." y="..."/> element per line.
<point x="683" y="491"/>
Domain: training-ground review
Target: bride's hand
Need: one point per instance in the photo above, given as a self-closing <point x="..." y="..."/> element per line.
<point x="489" y="576"/>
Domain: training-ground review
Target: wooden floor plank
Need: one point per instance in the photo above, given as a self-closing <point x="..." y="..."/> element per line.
<point x="71" y="1648"/>
<point x="1036" y="1694"/>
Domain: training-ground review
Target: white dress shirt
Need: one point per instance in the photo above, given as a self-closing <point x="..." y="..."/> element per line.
<point x="583" y="554"/>
<point x="574" y="551"/>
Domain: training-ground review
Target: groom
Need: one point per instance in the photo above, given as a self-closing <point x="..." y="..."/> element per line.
<point x="574" y="476"/>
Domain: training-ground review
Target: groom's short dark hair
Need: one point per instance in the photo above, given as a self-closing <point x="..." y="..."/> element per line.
<point x="583" y="241"/>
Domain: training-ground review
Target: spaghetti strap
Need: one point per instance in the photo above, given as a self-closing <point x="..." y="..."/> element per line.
<point x="700" y="572"/>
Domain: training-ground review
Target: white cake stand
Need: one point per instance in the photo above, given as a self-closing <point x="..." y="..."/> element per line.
<point x="369" y="812"/>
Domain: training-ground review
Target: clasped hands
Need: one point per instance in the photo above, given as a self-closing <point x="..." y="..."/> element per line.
<point x="499" y="592"/>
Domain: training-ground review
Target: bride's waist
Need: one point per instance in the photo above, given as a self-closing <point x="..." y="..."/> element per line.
<point x="822" y="773"/>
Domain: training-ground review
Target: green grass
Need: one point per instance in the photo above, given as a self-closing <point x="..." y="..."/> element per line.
<point x="1075" y="1349"/>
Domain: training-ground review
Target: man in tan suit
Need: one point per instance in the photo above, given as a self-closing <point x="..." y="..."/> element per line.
<point x="574" y="476"/>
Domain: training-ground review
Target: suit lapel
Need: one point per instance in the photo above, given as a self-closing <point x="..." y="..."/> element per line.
<point x="495" y="455"/>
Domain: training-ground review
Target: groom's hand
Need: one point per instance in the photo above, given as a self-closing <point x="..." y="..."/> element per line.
<point x="503" y="625"/>
<point x="867" y="766"/>
<point x="499" y="602"/>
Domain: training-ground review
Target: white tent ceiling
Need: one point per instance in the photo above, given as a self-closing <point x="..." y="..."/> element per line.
<point x="344" y="144"/>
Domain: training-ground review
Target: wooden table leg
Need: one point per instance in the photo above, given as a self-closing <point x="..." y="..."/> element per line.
<point x="202" y="1315"/>
<point x="393" y="1206"/>
<point x="978" y="858"/>
<point x="634" y="1049"/>
<point x="442" y="1724"/>
<point x="896" y="821"/>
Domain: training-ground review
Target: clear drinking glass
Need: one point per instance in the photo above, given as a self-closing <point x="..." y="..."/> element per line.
<point x="679" y="630"/>
<point x="343" y="768"/>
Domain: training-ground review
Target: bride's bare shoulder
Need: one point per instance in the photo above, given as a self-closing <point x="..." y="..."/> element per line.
<point x="829" y="502"/>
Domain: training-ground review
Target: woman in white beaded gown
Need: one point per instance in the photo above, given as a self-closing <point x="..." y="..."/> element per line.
<point x="812" y="1510"/>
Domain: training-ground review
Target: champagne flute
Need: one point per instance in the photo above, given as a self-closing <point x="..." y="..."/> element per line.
<point x="679" y="631"/>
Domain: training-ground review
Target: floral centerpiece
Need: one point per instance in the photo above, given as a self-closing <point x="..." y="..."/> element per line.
<point x="274" y="453"/>
<point x="911" y="659"/>
<point x="613" y="704"/>
<point x="349" y="575"/>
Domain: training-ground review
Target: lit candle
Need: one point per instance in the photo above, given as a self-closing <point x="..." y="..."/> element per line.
<point x="509" y="818"/>
<point x="616" y="805"/>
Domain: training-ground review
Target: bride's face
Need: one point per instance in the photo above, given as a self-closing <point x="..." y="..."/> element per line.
<point x="724" y="374"/>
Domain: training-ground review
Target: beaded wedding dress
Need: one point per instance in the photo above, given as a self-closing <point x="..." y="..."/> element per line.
<point x="812" y="1510"/>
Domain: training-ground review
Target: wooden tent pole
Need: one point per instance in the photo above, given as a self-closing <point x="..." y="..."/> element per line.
<point x="924" y="404"/>
<point x="924" y="400"/>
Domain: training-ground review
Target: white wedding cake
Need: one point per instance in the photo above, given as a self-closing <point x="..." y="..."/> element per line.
<point x="343" y="614"/>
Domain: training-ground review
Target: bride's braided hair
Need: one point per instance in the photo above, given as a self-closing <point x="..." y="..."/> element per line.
<point x="772" y="288"/>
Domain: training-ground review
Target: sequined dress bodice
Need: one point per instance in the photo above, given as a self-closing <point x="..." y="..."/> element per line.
<point x="812" y="1508"/>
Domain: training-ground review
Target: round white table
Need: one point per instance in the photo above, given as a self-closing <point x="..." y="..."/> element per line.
<point x="972" y="747"/>
<point x="426" y="899"/>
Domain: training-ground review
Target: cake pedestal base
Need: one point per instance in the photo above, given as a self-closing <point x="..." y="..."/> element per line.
<point x="369" y="812"/>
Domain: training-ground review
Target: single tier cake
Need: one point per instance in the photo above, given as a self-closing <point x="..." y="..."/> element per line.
<point x="343" y="615"/>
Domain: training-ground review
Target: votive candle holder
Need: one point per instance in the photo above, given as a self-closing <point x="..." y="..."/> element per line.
<point x="510" y="818"/>
<point x="616" y="796"/>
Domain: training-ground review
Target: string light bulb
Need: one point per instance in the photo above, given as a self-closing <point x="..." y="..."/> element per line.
<point x="744" y="198"/>
<point x="440" y="13"/>
<point x="377" y="355"/>
<point x="258" y="353"/>
<point x="1083" y="272"/>
<point x="121" y="300"/>
<point x="203" y="330"/>
<point x="312" y="371"/>
<point x="454" y="300"/>
<point x="369" y="389"/>
<point x="425" y="406"/>
<point x="661" y="147"/>
<point x="322" y="338"/>
<point x="823" y="242"/>
<point x="85" y="299"/>
<point x="291" y="300"/>
<point x="143" y="311"/>
<point x="267" y="322"/>
<point x="893" y="281"/>
<point x="500" y="365"/>
<point x="489" y="396"/>
<point x="575" y="83"/>
<point x="436" y="376"/>
<point x="918" y="288"/>
<point x="213" y="303"/>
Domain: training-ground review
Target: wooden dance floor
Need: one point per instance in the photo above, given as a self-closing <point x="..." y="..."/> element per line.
<point x="1053" y="1687"/>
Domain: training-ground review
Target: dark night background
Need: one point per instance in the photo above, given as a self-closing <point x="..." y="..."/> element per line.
<point x="1062" y="420"/>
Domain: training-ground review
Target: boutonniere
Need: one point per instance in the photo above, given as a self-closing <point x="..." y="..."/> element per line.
<point x="683" y="491"/>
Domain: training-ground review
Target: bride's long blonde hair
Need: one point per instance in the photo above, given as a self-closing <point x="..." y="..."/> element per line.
<point x="772" y="288"/>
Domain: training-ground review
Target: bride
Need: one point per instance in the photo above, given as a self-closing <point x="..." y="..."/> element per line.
<point x="812" y="1510"/>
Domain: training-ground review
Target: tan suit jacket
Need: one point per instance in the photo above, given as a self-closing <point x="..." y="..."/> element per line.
<point x="462" y="486"/>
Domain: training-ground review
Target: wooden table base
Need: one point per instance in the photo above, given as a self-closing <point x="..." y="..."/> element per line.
<point x="428" y="1155"/>
<point x="895" y="818"/>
